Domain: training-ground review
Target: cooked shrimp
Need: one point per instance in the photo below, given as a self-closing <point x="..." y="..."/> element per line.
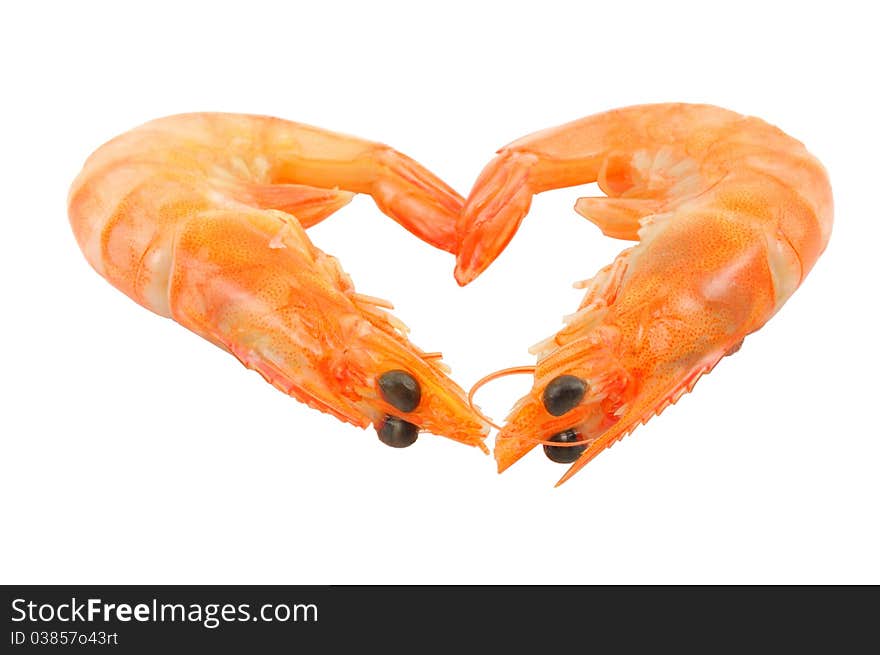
<point x="201" y="217"/>
<point x="730" y="214"/>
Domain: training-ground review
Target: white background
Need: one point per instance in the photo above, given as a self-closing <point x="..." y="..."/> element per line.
<point x="134" y="452"/>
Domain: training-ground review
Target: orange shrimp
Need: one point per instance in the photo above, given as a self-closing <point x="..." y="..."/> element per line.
<point x="730" y="214"/>
<point x="201" y="217"/>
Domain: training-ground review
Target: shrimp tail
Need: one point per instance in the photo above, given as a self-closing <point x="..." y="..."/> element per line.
<point x="417" y="199"/>
<point x="599" y="149"/>
<point x="500" y="199"/>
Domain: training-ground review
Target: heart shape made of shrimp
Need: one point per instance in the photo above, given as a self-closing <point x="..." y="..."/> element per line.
<point x="202" y="218"/>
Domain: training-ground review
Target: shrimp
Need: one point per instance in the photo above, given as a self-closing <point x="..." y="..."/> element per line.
<point x="730" y="214"/>
<point x="201" y="218"/>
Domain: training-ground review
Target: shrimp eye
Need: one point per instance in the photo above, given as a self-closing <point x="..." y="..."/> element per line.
<point x="397" y="433"/>
<point x="400" y="390"/>
<point x="563" y="394"/>
<point x="564" y="454"/>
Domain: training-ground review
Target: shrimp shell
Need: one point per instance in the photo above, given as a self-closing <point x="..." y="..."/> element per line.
<point x="730" y="214"/>
<point x="202" y="217"/>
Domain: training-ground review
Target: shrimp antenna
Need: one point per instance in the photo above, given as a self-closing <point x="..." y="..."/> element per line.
<point x="515" y="370"/>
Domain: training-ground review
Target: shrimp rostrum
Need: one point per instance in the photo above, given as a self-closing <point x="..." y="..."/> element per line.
<point x="202" y="217"/>
<point x="730" y="214"/>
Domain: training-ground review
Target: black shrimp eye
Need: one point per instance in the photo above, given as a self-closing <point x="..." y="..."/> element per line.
<point x="400" y="390"/>
<point x="564" y="454"/>
<point x="397" y="433"/>
<point x="563" y="394"/>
